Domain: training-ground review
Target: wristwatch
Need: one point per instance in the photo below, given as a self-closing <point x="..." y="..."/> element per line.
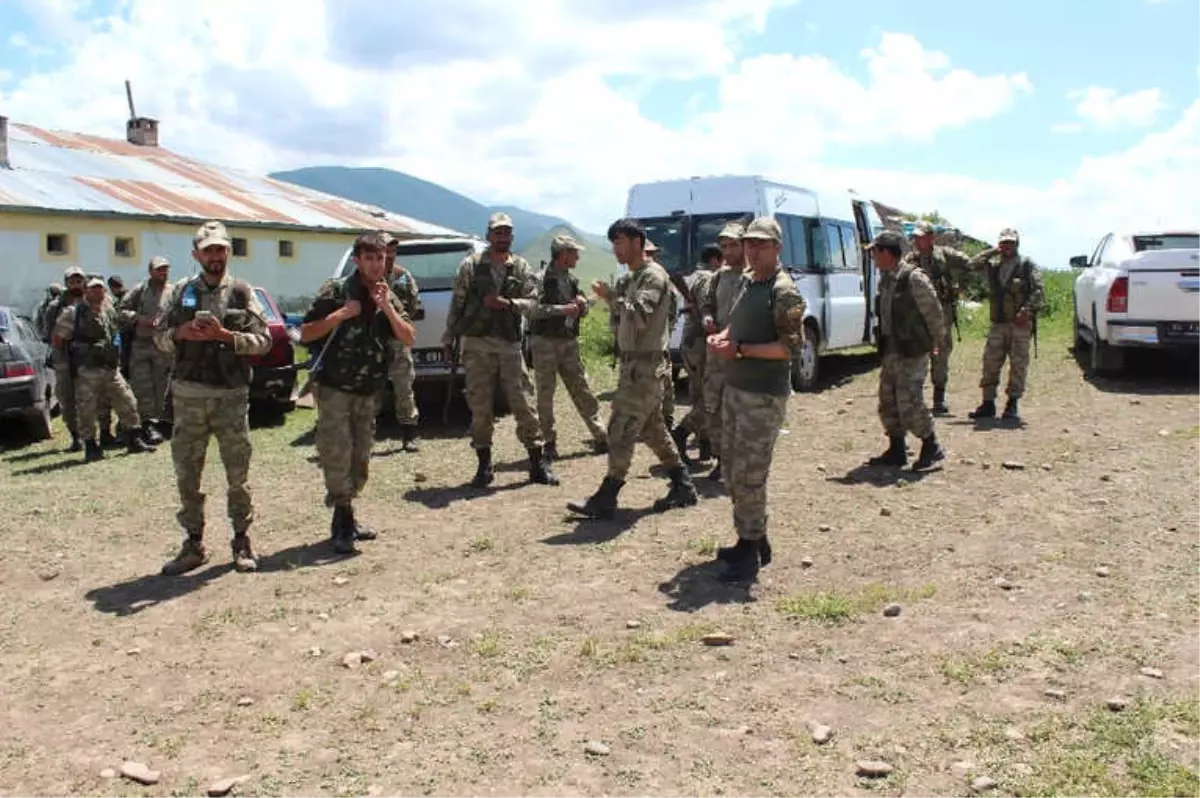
<point x="737" y="351"/>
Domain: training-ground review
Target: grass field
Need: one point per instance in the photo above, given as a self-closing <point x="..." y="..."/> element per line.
<point x="1047" y="642"/>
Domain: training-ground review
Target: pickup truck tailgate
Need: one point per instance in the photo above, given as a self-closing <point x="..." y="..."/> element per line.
<point x="1164" y="285"/>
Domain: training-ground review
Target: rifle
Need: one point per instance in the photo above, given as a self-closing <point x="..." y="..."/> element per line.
<point x="454" y="351"/>
<point x="1033" y="331"/>
<point x="315" y="365"/>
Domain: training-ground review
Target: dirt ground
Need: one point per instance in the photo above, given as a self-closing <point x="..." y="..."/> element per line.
<point x="1043" y="573"/>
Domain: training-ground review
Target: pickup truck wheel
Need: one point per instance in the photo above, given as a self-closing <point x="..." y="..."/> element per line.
<point x="1106" y="359"/>
<point x="1076" y="327"/>
<point x="806" y="366"/>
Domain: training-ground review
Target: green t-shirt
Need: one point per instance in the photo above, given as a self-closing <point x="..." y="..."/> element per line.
<point x="752" y="321"/>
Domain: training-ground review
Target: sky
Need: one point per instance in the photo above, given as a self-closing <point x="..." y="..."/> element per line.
<point x="1062" y="118"/>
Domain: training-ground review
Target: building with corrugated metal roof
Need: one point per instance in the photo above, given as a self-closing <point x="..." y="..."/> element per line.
<point x="110" y="206"/>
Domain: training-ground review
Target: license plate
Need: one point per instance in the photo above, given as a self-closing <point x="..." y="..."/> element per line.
<point x="1183" y="329"/>
<point x="428" y="357"/>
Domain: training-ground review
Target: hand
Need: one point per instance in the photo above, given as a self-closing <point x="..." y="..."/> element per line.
<point x="571" y="311"/>
<point x="349" y="310"/>
<point x="194" y="330"/>
<point x="448" y="353"/>
<point x="379" y="295"/>
<point x="496" y="302"/>
<point x="1022" y="318"/>
<point x="581" y="301"/>
<point x="721" y="346"/>
<point x="145" y="322"/>
<point x="600" y="289"/>
<point x="936" y="351"/>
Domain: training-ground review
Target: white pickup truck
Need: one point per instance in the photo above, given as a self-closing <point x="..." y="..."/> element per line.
<point x="1138" y="290"/>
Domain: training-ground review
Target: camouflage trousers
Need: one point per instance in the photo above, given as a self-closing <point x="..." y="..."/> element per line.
<point x="402" y="374"/>
<point x="939" y="365"/>
<point x="901" y="396"/>
<point x="559" y="357"/>
<point x="693" y="363"/>
<point x="714" y="388"/>
<point x="64" y="389"/>
<point x="93" y="386"/>
<point x="197" y="419"/>
<point x="749" y="429"/>
<point x="1005" y="341"/>
<point x="345" y="435"/>
<point x="484" y="370"/>
<point x="668" y="400"/>
<point x="149" y="373"/>
<point x="636" y="415"/>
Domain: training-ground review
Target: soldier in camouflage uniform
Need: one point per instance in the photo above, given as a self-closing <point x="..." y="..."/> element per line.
<point x="911" y="327"/>
<point x="672" y="320"/>
<point x="88" y="331"/>
<point x="554" y="344"/>
<point x="64" y="388"/>
<point x="1016" y="297"/>
<point x="53" y="292"/>
<point x="945" y="267"/>
<point x="492" y="291"/>
<point x="402" y="372"/>
<point x="213" y="325"/>
<point x="641" y="308"/>
<point x="149" y="368"/>
<point x="693" y="349"/>
<point x="715" y="306"/>
<point x="365" y="317"/>
<point x="764" y="330"/>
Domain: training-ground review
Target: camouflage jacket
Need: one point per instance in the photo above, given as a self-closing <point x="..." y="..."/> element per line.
<point x="405" y="287"/>
<point x="357" y="357"/>
<point x="911" y="321"/>
<point x="945" y="267"/>
<point x="478" y="277"/>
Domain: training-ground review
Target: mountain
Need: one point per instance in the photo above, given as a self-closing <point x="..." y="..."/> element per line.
<point x="594" y="263"/>
<point x="411" y="196"/>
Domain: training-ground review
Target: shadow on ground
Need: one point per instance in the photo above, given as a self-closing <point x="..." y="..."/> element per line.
<point x="1146" y="373"/>
<point x="698" y="586"/>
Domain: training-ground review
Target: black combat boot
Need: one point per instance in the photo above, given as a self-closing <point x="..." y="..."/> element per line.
<point x="602" y="503"/>
<point x="727" y="553"/>
<point x="243" y="555"/>
<point x="931" y="452"/>
<point x="134" y="444"/>
<point x="682" y="492"/>
<point x="939" y="400"/>
<point x="680" y="436"/>
<point x="1011" y="411"/>
<point x="341" y="530"/>
<point x="743" y="562"/>
<point x="107" y="439"/>
<point x="165" y="427"/>
<point x="408" y="434"/>
<point x="986" y="409"/>
<point x="483" y="474"/>
<point x="149" y="434"/>
<point x="92" y="451"/>
<point x="539" y="467"/>
<point x="76" y="445"/>
<point x="705" y="453"/>
<point x="715" y="474"/>
<point x="550" y="451"/>
<point x="896" y="454"/>
<point x="360" y="532"/>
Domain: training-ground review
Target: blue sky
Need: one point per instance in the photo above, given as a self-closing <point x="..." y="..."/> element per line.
<point x="542" y="106"/>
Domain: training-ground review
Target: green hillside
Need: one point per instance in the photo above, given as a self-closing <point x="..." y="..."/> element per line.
<point x="594" y="263"/>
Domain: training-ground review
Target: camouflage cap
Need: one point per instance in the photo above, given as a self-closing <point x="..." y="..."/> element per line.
<point x="922" y="228"/>
<point x="72" y="271"/>
<point x="1009" y="234"/>
<point x="499" y="219"/>
<point x="561" y="243"/>
<point x="387" y="238"/>
<point x="55" y="288"/>
<point x="650" y="246"/>
<point x="888" y="238"/>
<point x="210" y="234"/>
<point x="764" y="228"/>
<point x="158" y="261"/>
<point x="95" y="282"/>
<point x="732" y="230"/>
<point x="115" y="281"/>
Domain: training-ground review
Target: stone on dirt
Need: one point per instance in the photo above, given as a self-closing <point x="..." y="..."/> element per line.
<point x="821" y="734"/>
<point x="409" y="636"/>
<point x="983" y="784"/>
<point x="1153" y="673"/>
<point x="891" y="610"/>
<point x="225" y="786"/>
<point x="596" y="748"/>
<point x="717" y="639"/>
<point x="136" y="771"/>
<point x="873" y="768"/>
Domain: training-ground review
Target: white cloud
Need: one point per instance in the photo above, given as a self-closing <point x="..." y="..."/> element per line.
<point x="517" y="107"/>
<point x="1108" y="109"/>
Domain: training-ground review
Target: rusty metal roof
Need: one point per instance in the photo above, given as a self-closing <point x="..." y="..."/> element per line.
<point x="79" y="173"/>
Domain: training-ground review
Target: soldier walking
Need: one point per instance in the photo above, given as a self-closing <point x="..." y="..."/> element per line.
<point x="402" y="372"/>
<point x="554" y="343"/>
<point x="668" y="378"/>
<point x="64" y="385"/>
<point x="764" y="330"/>
<point x="492" y="291"/>
<point x="53" y="292"/>
<point x="692" y="349"/>
<point x="364" y="317"/>
<point x="641" y="308"/>
<point x="911" y="325"/>
<point x="1016" y="296"/>
<point x="88" y="332"/>
<point x="945" y="267"/>
<point x="149" y="368"/>
<point x="213" y="325"/>
<point x="715" y="306"/>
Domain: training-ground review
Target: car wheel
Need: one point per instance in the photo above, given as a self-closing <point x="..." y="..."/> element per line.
<point x="1106" y="359"/>
<point x="1076" y="327"/>
<point x="807" y="365"/>
<point x="40" y="423"/>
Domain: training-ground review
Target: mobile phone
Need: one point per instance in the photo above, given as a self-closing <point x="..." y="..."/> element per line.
<point x="204" y="316"/>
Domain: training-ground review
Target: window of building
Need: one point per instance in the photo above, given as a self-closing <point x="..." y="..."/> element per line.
<point x="287" y="249"/>
<point x="58" y="244"/>
<point x="123" y="247"/>
<point x="241" y="247"/>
